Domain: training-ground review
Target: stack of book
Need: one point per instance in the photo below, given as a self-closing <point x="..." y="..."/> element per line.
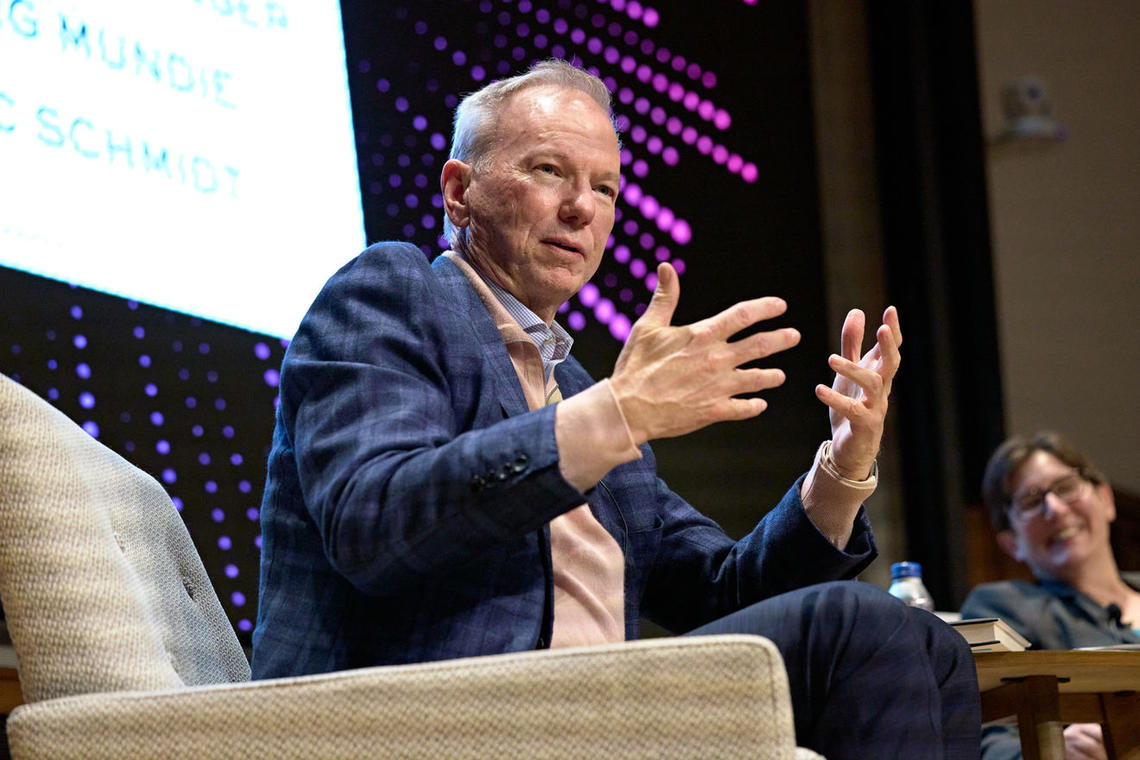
<point x="990" y="635"/>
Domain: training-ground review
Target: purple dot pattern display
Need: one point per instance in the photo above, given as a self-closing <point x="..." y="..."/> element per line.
<point x="128" y="374"/>
<point x="665" y="109"/>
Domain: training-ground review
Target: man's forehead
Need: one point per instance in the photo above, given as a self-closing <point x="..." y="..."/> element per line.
<point x="1040" y="469"/>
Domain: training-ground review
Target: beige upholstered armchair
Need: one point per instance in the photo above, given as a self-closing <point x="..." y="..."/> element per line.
<point x="125" y="651"/>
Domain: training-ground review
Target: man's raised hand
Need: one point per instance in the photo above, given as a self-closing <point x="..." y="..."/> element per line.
<point x="671" y="380"/>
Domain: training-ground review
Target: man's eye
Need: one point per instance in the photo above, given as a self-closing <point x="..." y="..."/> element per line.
<point x="547" y="168"/>
<point x="607" y="190"/>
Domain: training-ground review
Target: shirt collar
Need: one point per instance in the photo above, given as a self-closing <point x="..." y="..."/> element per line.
<point x="552" y="341"/>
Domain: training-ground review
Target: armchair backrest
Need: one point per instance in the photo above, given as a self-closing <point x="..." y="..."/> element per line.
<point x="101" y="585"/>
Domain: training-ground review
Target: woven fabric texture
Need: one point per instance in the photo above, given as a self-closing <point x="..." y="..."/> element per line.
<point x="102" y="587"/>
<point x="699" y="697"/>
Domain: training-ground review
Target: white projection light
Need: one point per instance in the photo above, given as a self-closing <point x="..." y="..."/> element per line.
<point x="196" y="155"/>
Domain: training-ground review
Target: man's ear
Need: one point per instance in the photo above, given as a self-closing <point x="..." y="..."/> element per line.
<point x="453" y="181"/>
<point x="1008" y="543"/>
<point x="1104" y="490"/>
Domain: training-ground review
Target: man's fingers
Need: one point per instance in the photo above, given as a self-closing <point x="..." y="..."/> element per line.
<point x="764" y="344"/>
<point x="851" y="339"/>
<point x="891" y="320"/>
<point x="869" y="380"/>
<point x="665" y="296"/>
<point x="742" y="315"/>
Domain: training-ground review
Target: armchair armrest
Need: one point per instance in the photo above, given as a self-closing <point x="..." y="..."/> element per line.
<point x="707" y="697"/>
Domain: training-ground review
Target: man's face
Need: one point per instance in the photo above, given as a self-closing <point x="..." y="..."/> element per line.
<point x="1066" y="534"/>
<point x="540" y="207"/>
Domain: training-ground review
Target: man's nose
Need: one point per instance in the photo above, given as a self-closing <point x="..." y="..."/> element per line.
<point x="578" y="206"/>
<point x="1050" y="503"/>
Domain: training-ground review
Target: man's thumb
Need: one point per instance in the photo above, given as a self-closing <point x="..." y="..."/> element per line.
<point x="665" y="297"/>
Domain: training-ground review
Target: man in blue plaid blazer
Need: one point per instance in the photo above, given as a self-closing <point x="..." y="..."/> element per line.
<point x="445" y="481"/>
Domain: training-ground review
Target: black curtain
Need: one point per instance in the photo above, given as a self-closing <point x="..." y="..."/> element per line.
<point x="931" y="163"/>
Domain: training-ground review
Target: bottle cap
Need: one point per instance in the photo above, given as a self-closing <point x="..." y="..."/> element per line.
<point x="906" y="570"/>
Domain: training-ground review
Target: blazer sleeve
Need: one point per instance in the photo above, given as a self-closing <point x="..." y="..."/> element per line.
<point x="379" y="391"/>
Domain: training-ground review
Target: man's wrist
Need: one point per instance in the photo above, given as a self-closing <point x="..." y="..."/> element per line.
<point x="827" y="463"/>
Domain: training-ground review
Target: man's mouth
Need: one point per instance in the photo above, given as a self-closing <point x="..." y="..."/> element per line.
<point x="1065" y="534"/>
<point x="564" y="246"/>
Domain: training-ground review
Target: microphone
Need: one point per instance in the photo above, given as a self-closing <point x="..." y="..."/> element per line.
<point x="1115" y="614"/>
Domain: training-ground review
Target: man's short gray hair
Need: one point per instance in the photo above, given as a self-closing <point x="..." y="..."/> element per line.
<point x="476" y="118"/>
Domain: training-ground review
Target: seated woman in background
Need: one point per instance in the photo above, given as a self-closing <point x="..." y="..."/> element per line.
<point x="1051" y="509"/>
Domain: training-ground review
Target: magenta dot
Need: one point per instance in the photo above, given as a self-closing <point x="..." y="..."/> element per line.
<point x="620" y="327"/>
<point x="217" y="515"/>
<point x="576" y="320"/>
<point x="272" y="377"/>
<point x="651" y="281"/>
<point x="224" y="543"/>
<point x="245" y="625"/>
<point x="611" y="54"/>
<point x="459" y="58"/>
<point x="168" y="476"/>
<point x="261" y="351"/>
<point x="440" y="43"/>
<point x="86" y="400"/>
<point x="660" y="82"/>
<point x="629" y="227"/>
<point x="722" y="119"/>
<point x="621" y="254"/>
<point x="478" y="73"/>
<point x="80" y="341"/>
<point x="749" y="172"/>
<point x="670" y="156"/>
<point x="650" y="206"/>
<point x="682" y="233"/>
<point x="676" y="92"/>
<point x="252" y="514"/>
<point x="640" y="168"/>
<point x="634" y="10"/>
<point x="720" y="154"/>
<point x="628" y="64"/>
<point x="704" y="144"/>
<point x="633" y="193"/>
<point x="665" y="220"/>
<point x="706" y="110"/>
<point x="673" y="125"/>
<point x="238" y="598"/>
<point x="734" y="163"/>
<point x="231" y="571"/>
<point x="708" y="79"/>
<point x="654" y="145"/>
<point x="641" y="105"/>
<point x="91" y="429"/>
<point x="693" y="70"/>
<point x="678" y="63"/>
<point x="637" y="268"/>
<point x="588" y="295"/>
<point x="689" y="135"/>
<point x="162" y="447"/>
<point x="646" y="241"/>
<point x="604" y="311"/>
<point x="650" y="17"/>
<point x="691" y="101"/>
<point x="657" y="115"/>
<point x="83" y="370"/>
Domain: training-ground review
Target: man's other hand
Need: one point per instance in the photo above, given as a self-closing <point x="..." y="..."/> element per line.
<point x="859" y="396"/>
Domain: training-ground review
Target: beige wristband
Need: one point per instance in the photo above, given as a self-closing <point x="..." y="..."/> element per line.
<point x="828" y="465"/>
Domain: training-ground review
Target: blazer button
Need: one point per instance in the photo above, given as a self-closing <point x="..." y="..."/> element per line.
<point x="520" y="464"/>
<point x="477" y="484"/>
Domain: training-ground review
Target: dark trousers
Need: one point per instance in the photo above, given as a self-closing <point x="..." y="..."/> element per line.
<point x="870" y="677"/>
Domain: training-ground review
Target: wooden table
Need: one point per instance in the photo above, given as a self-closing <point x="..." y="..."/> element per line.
<point x="1045" y="690"/>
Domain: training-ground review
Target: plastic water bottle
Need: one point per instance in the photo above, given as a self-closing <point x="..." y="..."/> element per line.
<point x="906" y="584"/>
